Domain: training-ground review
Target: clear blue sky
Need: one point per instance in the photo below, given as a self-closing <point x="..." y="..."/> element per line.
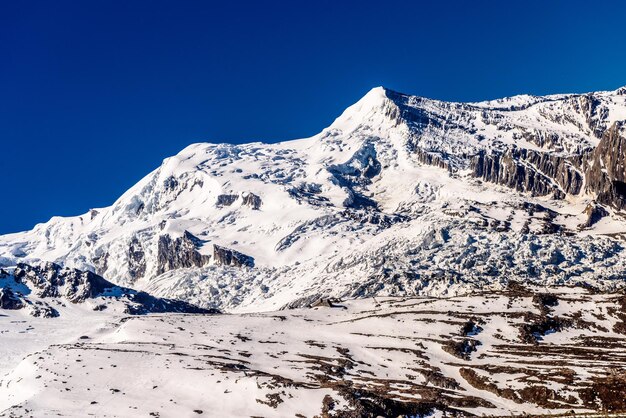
<point x="94" y="94"/>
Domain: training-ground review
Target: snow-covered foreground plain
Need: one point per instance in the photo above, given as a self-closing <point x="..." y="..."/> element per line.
<point x="546" y="351"/>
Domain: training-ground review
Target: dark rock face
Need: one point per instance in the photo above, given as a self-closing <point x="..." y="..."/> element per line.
<point x="373" y="217"/>
<point x="136" y="259"/>
<point x="179" y="253"/>
<point x="590" y="107"/>
<point x="52" y="280"/>
<point x="226" y="199"/>
<point x="252" y="200"/>
<point x="559" y="169"/>
<point x="462" y="349"/>
<point x="309" y="193"/>
<point x="326" y="303"/>
<point x="227" y="257"/>
<point x="431" y="158"/>
<point x="9" y="300"/>
<point x="101" y="262"/>
<point x="529" y="171"/>
<point x="606" y="172"/>
<point x="42" y="310"/>
<point x="543" y="173"/>
<point x="359" y="170"/>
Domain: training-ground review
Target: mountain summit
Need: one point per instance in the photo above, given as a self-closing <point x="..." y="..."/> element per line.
<point x="399" y="195"/>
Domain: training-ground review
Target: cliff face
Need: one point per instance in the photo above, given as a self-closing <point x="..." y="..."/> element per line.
<point x="545" y="146"/>
<point x="600" y="172"/>
<point x="179" y="253"/>
<point x="606" y="173"/>
<point x="525" y="170"/>
<point x="51" y="280"/>
<point x="227" y="257"/>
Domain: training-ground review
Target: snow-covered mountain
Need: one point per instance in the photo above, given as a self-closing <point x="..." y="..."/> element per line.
<point x="401" y="195"/>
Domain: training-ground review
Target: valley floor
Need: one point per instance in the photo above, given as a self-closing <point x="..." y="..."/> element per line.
<point x="497" y="354"/>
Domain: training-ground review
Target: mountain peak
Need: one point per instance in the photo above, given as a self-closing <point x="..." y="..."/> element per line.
<point x="378" y="90"/>
<point x="371" y="105"/>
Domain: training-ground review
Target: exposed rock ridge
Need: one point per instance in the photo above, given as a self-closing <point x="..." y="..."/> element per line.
<point x="227" y="257"/>
<point x="51" y="280"/>
<point x="606" y="172"/>
<point x="557" y="169"/>
<point x="179" y="253"/>
<point x="529" y="171"/>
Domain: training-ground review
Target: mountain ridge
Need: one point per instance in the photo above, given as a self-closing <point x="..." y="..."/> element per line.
<point x="399" y="194"/>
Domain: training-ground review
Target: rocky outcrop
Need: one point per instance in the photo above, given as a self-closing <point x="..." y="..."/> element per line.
<point x="593" y="111"/>
<point x="8" y="299"/>
<point x="179" y="253"/>
<point x="51" y="280"/>
<point x="227" y="257"/>
<point x="373" y="217"/>
<point x="359" y="170"/>
<point x="594" y="213"/>
<point x="431" y="158"/>
<point x="555" y="170"/>
<point x="39" y="309"/>
<point x="247" y="199"/>
<point x="531" y="171"/>
<point x="251" y="200"/>
<point x="101" y="261"/>
<point x="226" y="199"/>
<point x="326" y="303"/>
<point x="136" y="259"/>
<point x="356" y="174"/>
<point x="310" y="193"/>
<point x="545" y="173"/>
<point x="606" y="168"/>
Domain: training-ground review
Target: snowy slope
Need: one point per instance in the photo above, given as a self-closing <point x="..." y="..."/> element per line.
<point x="400" y="195"/>
<point x="507" y="353"/>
